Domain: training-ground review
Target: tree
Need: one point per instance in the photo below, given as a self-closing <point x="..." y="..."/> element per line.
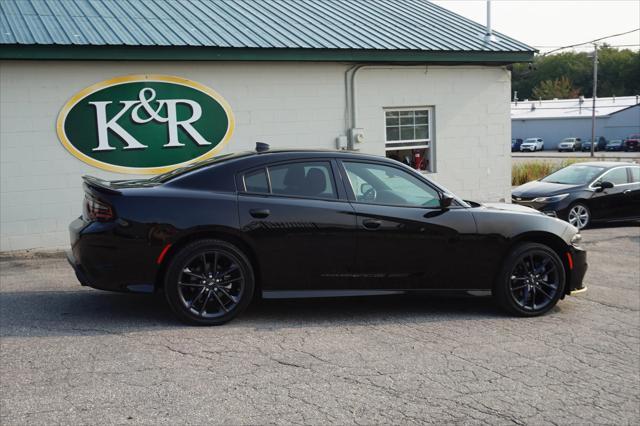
<point x="618" y="73"/>
<point x="560" y="88"/>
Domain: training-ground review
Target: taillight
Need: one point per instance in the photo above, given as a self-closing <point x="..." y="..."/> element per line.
<point x="96" y="210"/>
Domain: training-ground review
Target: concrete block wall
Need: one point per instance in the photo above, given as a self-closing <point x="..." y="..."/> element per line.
<point x="472" y="122"/>
<point x="285" y="104"/>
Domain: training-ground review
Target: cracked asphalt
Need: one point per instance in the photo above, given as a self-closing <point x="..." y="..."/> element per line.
<point x="80" y="356"/>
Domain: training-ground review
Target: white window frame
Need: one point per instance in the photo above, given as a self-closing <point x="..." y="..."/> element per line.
<point x="398" y="145"/>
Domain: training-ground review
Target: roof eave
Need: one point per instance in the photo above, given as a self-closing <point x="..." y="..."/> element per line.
<point x="181" y="53"/>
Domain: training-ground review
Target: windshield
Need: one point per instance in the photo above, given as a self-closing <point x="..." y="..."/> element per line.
<point x="574" y="175"/>
<point x="568" y="140"/>
<point x="530" y="140"/>
<point x="618" y="142"/>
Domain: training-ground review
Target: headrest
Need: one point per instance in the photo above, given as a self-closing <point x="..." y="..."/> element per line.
<point x="294" y="176"/>
<point x="315" y="182"/>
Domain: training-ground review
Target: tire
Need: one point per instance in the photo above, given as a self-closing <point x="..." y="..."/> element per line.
<point x="209" y="282"/>
<point x="576" y="217"/>
<point x="524" y="293"/>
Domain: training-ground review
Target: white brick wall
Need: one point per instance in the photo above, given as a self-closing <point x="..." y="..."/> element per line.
<point x="285" y="104"/>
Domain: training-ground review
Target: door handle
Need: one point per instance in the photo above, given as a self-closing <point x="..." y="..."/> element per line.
<point x="371" y="223"/>
<point x="626" y="192"/>
<point x="259" y="213"/>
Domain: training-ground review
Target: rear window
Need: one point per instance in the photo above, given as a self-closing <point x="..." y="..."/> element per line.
<point x="635" y="174"/>
<point x="165" y="177"/>
<point x="312" y="179"/>
<point x="256" y="181"/>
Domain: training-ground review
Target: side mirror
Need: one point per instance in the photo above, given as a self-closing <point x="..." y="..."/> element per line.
<point x="601" y="186"/>
<point x="445" y="201"/>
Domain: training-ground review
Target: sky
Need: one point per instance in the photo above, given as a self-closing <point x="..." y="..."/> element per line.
<point x="544" y="23"/>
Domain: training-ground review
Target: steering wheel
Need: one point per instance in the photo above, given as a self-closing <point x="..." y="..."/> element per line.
<point x="370" y="194"/>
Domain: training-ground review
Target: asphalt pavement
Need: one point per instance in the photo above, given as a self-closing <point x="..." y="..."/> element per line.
<point x="74" y="355"/>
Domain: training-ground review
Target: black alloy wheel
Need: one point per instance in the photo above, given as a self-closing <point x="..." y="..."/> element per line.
<point x="532" y="280"/>
<point x="209" y="282"/>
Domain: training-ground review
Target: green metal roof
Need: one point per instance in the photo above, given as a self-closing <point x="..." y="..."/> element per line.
<point x="345" y="30"/>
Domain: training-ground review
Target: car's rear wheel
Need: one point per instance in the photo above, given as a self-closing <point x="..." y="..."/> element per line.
<point x="209" y="282"/>
<point x="579" y="215"/>
<point x="531" y="281"/>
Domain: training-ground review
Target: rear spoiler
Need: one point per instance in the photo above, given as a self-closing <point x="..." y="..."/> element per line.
<point x="99" y="185"/>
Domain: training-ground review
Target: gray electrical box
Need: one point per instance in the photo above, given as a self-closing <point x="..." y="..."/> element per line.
<point x="342" y="143"/>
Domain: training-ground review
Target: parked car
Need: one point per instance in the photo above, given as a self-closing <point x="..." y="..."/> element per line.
<point x="583" y="193"/>
<point x="614" y="145"/>
<point x="288" y="224"/>
<point x="600" y="145"/>
<point x="515" y="144"/>
<point x="632" y="143"/>
<point x="532" y="144"/>
<point x="570" y="144"/>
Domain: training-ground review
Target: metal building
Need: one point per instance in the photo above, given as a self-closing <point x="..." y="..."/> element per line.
<point x="554" y="120"/>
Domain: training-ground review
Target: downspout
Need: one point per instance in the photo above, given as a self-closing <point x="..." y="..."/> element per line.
<point x="352" y="92"/>
<point x="348" y="93"/>
<point x="351" y="119"/>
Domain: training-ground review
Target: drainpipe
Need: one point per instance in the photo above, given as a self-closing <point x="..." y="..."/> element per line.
<point x="352" y="91"/>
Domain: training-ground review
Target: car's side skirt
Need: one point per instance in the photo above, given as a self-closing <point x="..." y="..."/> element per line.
<point x="305" y="294"/>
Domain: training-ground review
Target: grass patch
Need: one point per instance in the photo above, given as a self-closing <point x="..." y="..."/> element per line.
<point x="533" y="170"/>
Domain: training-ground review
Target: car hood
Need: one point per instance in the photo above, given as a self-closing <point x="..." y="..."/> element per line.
<point x="511" y="208"/>
<point x="541" y="189"/>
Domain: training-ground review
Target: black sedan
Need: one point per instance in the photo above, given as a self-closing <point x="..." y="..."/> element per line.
<point x="289" y="224"/>
<point x="586" y="192"/>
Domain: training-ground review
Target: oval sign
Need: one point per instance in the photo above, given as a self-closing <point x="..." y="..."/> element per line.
<point x="145" y="124"/>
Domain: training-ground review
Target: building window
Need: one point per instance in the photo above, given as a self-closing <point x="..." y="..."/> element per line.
<point x="408" y="138"/>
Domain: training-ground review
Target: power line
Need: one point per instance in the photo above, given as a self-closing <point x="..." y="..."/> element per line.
<point x="591" y="41"/>
<point x="608" y="45"/>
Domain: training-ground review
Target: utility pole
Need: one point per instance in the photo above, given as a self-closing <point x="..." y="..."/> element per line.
<point x="595" y="90"/>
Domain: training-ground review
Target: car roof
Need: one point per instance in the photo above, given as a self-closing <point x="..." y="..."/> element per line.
<point x="605" y="164"/>
<point x="249" y="159"/>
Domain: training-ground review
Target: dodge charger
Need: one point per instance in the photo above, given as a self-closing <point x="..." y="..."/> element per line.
<point x="213" y="235"/>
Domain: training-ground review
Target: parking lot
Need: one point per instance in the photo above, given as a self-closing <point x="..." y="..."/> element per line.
<point x="76" y="355"/>
<point x="555" y="156"/>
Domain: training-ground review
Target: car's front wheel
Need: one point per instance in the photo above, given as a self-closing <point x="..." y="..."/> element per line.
<point x="209" y="282"/>
<point x="579" y="215"/>
<point x="531" y="281"/>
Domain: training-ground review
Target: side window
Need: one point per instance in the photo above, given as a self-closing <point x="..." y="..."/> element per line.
<point x="256" y="181"/>
<point x="308" y="179"/>
<point x="616" y="176"/>
<point x="380" y="184"/>
<point x="635" y="174"/>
